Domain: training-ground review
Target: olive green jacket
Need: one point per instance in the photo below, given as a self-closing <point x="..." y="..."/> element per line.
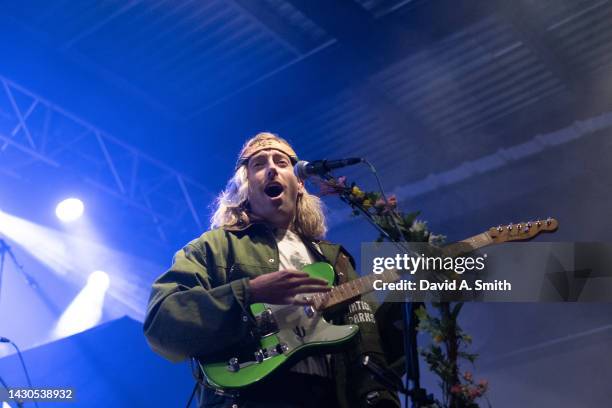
<point x="200" y="306"/>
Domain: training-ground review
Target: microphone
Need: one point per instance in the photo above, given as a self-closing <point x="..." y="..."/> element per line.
<point x="304" y="169"/>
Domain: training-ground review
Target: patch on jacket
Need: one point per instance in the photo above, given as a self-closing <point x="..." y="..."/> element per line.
<point x="360" y="312"/>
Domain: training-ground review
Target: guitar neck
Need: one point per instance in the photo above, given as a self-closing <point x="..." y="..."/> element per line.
<point x="357" y="287"/>
<point x="468" y="245"/>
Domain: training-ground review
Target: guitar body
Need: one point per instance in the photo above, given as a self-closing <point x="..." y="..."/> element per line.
<point x="287" y="333"/>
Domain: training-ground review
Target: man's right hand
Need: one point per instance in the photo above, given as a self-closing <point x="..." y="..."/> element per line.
<point x="281" y="288"/>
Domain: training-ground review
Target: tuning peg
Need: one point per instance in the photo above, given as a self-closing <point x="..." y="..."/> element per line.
<point x="539" y="223"/>
<point x="509" y="227"/>
<point x="499" y="228"/>
<point x="529" y="224"/>
<point x="548" y="221"/>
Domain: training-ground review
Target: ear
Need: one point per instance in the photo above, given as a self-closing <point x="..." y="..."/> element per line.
<point x="301" y="188"/>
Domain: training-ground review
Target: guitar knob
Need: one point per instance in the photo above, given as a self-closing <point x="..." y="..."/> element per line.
<point x="259" y="356"/>
<point x="233" y="365"/>
<point x="281" y="348"/>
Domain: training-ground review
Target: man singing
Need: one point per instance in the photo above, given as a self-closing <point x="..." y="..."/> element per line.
<point x="265" y="229"/>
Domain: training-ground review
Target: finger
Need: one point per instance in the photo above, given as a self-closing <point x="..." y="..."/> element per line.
<point x="310" y="281"/>
<point x="295" y="282"/>
<point x="310" y="289"/>
<point x="287" y="300"/>
<point x="294" y="273"/>
<point x="310" y="299"/>
<point x="302" y="301"/>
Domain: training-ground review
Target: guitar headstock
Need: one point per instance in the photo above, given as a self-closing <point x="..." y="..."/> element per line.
<point x="523" y="230"/>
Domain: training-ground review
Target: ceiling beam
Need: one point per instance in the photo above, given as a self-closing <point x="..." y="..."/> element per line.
<point x="365" y="45"/>
<point x="272" y="22"/>
<point x="530" y="29"/>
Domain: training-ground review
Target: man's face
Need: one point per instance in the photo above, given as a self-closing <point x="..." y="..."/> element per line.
<point x="273" y="188"/>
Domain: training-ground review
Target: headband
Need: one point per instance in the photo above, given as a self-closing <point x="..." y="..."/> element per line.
<point x="263" y="144"/>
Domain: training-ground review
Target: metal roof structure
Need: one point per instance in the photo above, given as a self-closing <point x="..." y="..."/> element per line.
<point x="419" y="86"/>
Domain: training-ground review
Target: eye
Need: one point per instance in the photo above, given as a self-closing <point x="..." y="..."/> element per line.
<point x="257" y="164"/>
<point x="282" y="162"/>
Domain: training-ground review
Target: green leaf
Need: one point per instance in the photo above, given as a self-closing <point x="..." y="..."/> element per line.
<point x="411" y="217"/>
<point x="471" y="357"/>
<point x="466" y="338"/>
<point x="421" y="313"/>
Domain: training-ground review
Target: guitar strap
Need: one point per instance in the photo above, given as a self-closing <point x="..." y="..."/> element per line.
<point x="342" y="267"/>
<point x="341" y="264"/>
<point x="314" y="249"/>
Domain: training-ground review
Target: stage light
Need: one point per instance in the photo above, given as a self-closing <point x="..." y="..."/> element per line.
<point x="55" y="249"/>
<point x="85" y="311"/>
<point x="99" y="280"/>
<point x="70" y="209"/>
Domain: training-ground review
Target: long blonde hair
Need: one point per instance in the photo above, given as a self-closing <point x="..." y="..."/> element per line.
<point x="232" y="209"/>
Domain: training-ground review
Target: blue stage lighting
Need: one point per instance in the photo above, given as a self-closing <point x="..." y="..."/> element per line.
<point x="85" y="311"/>
<point x="70" y="209"/>
<point x="99" y="280"/>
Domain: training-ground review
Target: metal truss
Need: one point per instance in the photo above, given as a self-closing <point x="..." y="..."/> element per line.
<point x="35" y="132"/>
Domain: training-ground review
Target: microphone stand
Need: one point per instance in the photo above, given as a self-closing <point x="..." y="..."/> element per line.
<point x="410" y="320"/>
<point x="413" y="373"/>
<point x="18" y="401"/>
<point x="344" y="196"/>
<point x="4" y="250"/>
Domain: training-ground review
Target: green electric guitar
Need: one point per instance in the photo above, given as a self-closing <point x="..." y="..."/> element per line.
<point x="289" y="332"/>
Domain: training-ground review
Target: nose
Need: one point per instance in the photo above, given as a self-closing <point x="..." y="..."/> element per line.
<point x="272" y="171"/>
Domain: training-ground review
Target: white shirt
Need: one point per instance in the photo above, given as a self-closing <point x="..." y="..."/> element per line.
<point x="293" y="254"/>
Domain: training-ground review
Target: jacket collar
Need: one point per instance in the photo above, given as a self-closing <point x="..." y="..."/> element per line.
<point x="243" y="226"/>
<point x="330" y="249"/>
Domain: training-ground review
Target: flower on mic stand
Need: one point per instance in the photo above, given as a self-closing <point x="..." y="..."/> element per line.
<point x="384" y="213"/>
<point x="450" y="346"/>
<point x="332" y="187"/>
<point x="449" y="342"/>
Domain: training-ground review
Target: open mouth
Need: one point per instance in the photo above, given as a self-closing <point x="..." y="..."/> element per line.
<point x="273" y="190"/>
